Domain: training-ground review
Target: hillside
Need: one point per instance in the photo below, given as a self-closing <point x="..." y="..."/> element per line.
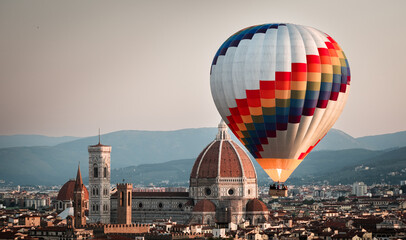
<point x="384" y="141"/>
<point x="56" y="164"/>
<point x="343" y="166"/>
<point x="379" y="166"/>
<point x="339" y="140"/>
<point x="32" y="140"/>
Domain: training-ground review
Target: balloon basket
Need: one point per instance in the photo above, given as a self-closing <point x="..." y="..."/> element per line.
<point x="277" y="191"/>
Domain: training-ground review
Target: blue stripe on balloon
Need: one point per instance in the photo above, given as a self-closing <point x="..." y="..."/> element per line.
<point x="250" y="33"/>
<point x="275" y="26"/>
<point x="259" y="126"/>
<point x="310" y="103"/>
<point x="282" y="118"/>
<point x="264" y="28"/>
<point x="269" y="119"/>
<point x="336" y="87"/>
<point x="326" y="86"/>
<point x="270" y="126"/>
<point x="324" y="95"/>
<point x="295" y="111"/>
<point x="336" y="78"/>
<point x="296" y="103"/>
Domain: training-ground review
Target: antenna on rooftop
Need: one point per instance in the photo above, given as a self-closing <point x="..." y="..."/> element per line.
<point x="99" y="135"/>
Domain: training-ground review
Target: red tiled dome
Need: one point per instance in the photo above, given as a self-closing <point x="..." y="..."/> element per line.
<point x="256" y="205"/>
<point x="66" y="192"/>
<point x="204" y="206"/>
<point x="223" y="158"/>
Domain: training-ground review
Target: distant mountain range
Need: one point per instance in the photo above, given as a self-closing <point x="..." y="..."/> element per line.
<point x="142" y="156"/>
<point x="342" y="166"/>
<point x="32" y="140"/>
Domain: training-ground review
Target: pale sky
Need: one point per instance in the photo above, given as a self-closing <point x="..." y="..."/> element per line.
<point x="70" y="67"/>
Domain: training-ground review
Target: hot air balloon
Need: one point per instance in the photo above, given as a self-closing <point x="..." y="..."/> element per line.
<point x="280" y="88"/>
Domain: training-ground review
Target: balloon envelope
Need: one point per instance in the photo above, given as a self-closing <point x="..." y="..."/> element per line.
<point x="280" y="88"/>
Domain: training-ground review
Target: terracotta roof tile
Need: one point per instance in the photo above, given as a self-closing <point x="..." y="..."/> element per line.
<point x="209" y="163"/>
<point x="230" y="162"/>
<point x="196" y="165"/>
<point x="204" y="206"/>
<point x="256" y="205"/>
<point x="233" y="161"/>
<point x="66" y="192"/>
<point x="249" y="169"/>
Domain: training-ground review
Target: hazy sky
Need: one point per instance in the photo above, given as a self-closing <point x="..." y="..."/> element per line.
<point x="70" y="67"/>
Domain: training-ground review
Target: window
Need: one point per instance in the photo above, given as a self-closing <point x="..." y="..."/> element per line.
<point x="180" y="205"/>
<point x="95" y="172"/>
<point x="129" y="199"/>
<point x="230" y="191"/>
<point x="94" y="191"/>
<point x="160" y="205"/>
<point x="121" y="198"/>
<point x="249" y="191"/>
<point x="208" y="191"/>
<point x="140" y="205"/>
<point x="97" y="191"/>
<point x="105" y="172"/>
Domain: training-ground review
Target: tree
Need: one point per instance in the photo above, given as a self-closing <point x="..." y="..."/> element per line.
<point x="341" y="199"/>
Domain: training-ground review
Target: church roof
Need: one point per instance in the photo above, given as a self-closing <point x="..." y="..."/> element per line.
<point x="223" y="158"/>
<point x="256" y="205"/>
<point x="204" y="206"/>
<point x="68" y="211"/>
<point x="66" y="192"/>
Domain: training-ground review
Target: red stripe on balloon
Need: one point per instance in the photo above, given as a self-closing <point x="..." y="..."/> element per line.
<point x="313" y="59"/>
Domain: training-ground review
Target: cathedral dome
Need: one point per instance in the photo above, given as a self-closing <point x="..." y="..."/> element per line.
<point x="66" y="192"/>
<point x="223" y="158"/>
<point x="204" y="206"/>
<point x="256" y="205"/>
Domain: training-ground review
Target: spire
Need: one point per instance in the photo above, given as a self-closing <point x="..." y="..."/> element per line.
<point x="222" y="134"/>
<point x="79" y="182"/>
<point x="99" y="136"/>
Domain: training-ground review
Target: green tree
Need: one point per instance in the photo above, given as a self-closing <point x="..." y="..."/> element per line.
<point x="341" y="199"/>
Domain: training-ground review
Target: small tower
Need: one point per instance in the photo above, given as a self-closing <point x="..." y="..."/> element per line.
<point x="79" y="201"/>
<point x="99" y="183"/>
<point x="124" y="205"/>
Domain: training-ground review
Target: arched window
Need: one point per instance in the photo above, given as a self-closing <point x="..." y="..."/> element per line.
<point x="105" y="172"/>
<point x="60" y="205"/>
<point x="94" y="208"/>
<point x="95" y="172"/>
<point x="97" y="191"/>
<point x="94" y="191"/>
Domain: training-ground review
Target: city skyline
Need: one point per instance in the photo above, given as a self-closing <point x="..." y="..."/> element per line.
<point x="69" y="68"/>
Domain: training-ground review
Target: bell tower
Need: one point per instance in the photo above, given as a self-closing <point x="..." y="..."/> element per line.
<point x="99" y="183"/>
<point x="124" y="205"/>
<point x="79" y="201"/>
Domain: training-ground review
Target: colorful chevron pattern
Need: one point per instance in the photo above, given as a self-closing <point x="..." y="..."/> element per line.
<point x="280" y="88"/>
